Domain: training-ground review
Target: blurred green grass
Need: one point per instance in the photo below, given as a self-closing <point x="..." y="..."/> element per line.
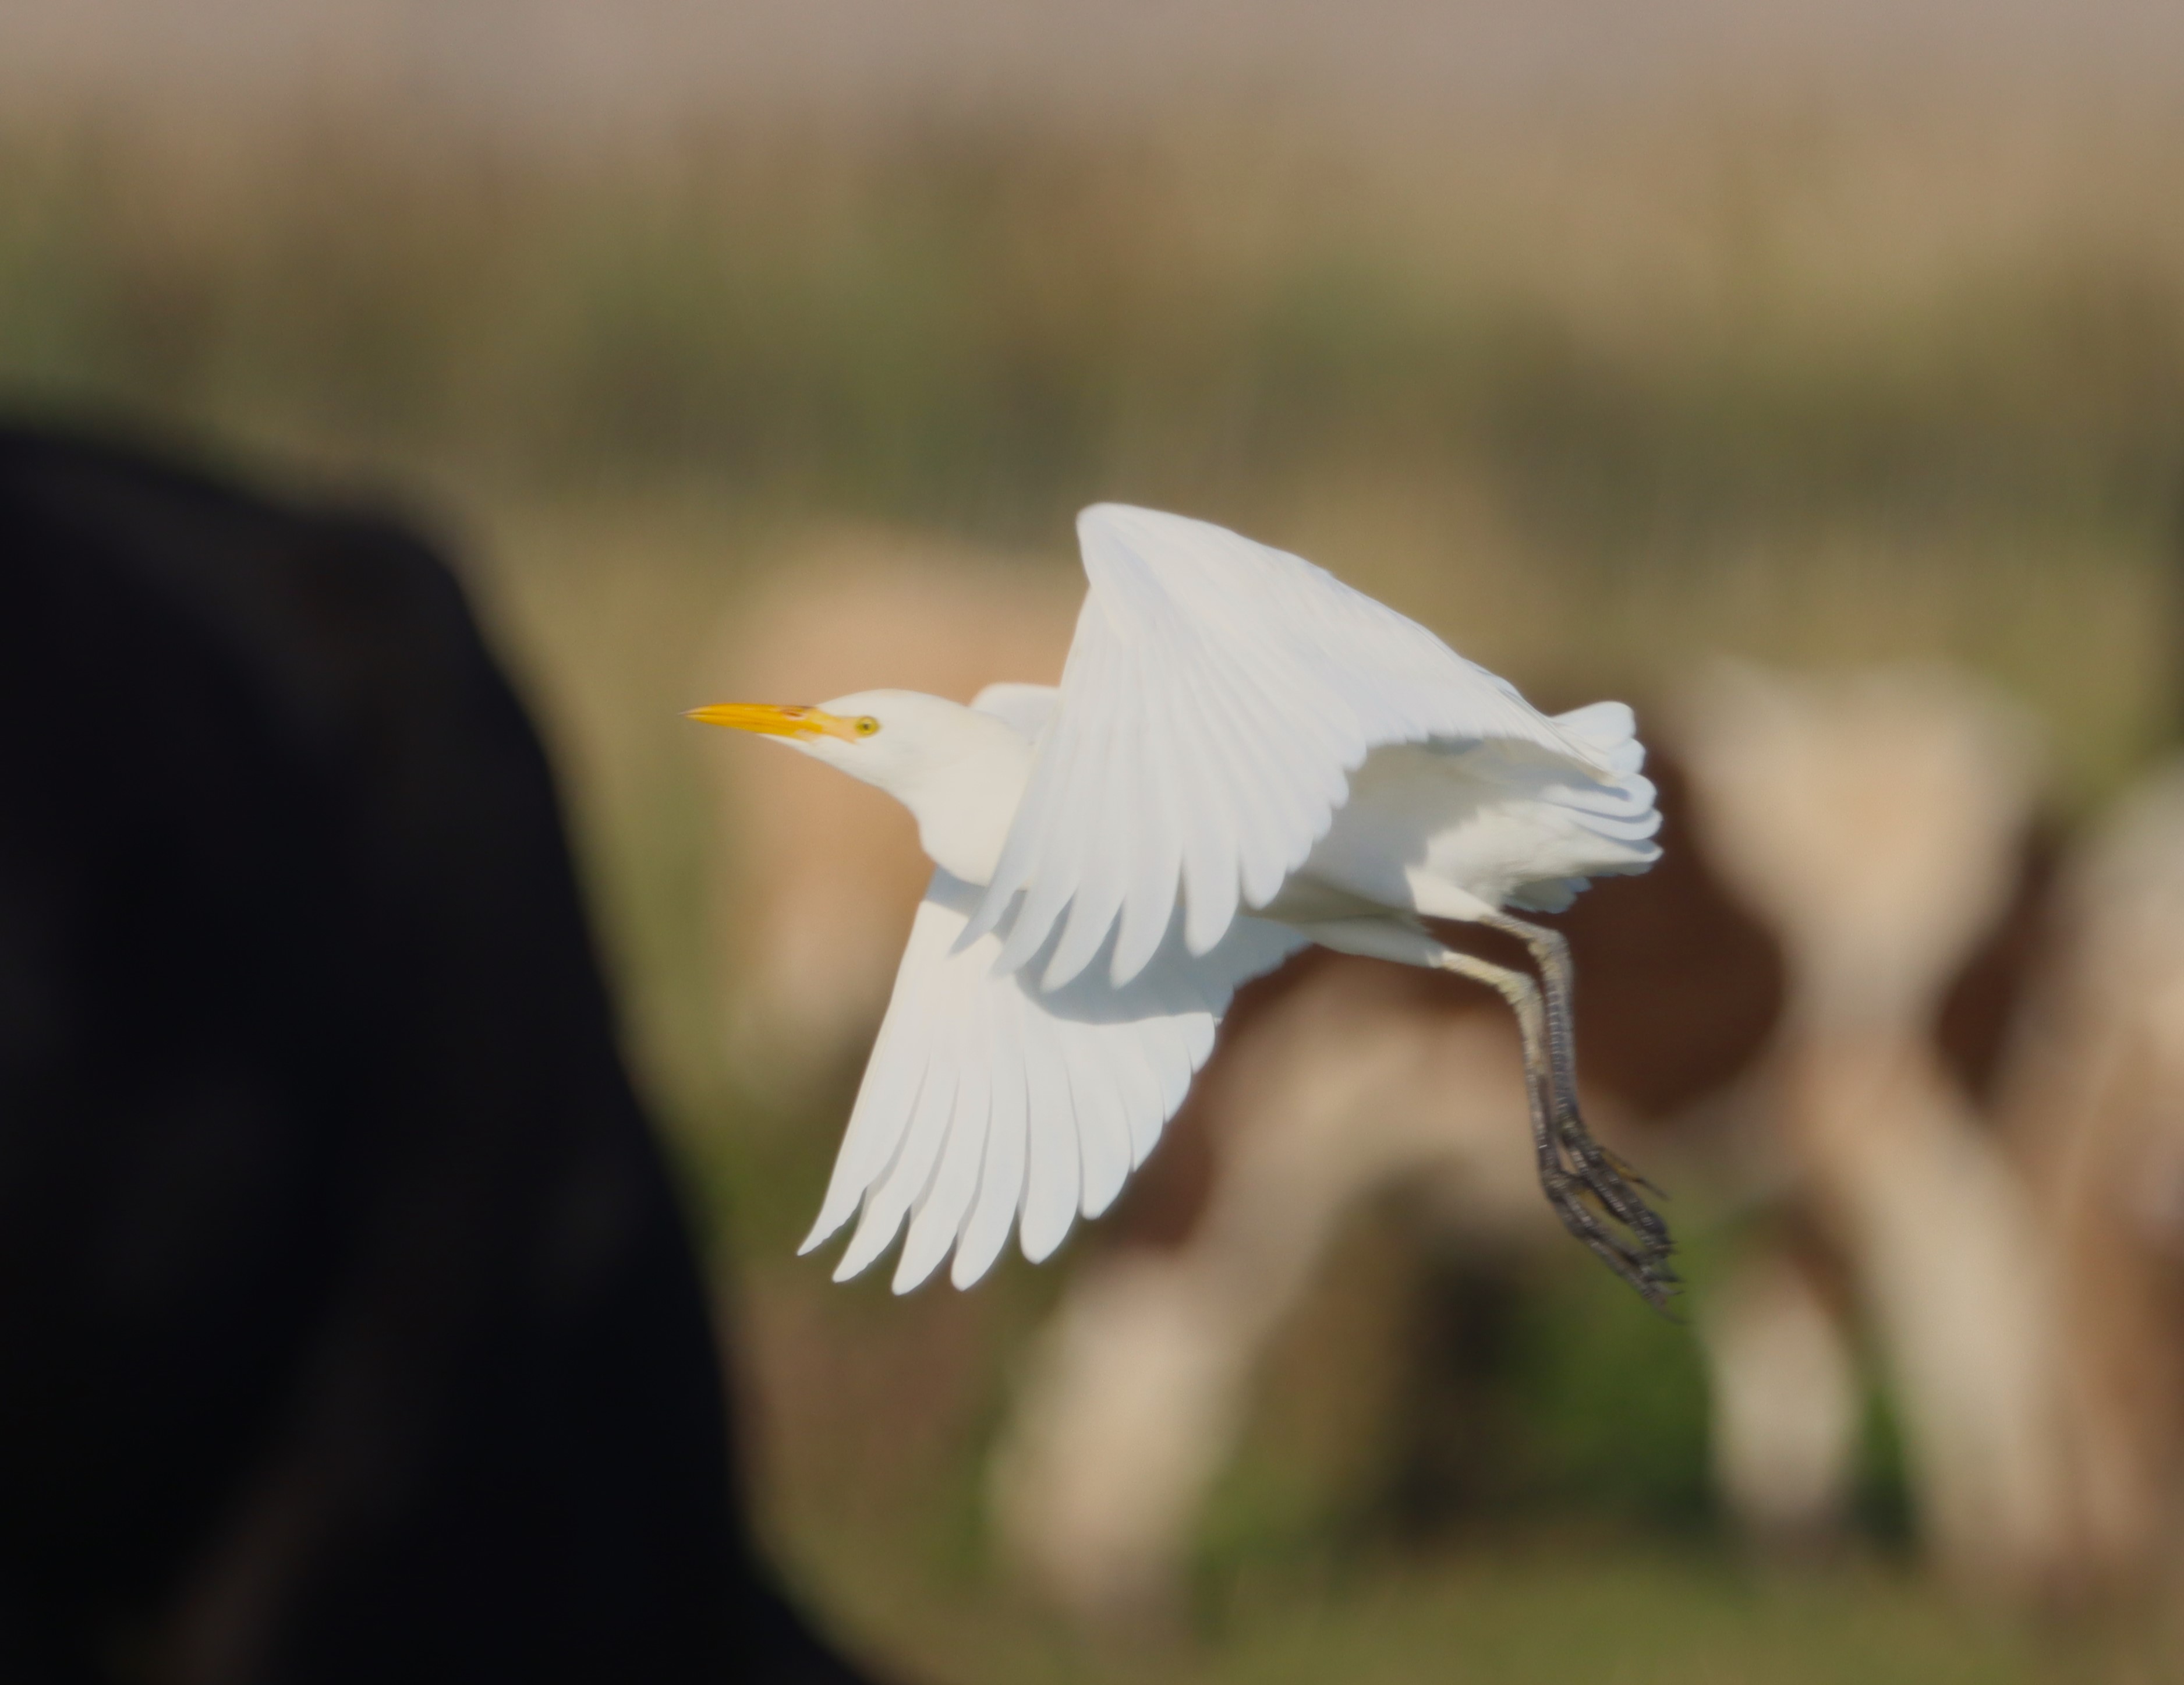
<point x="1536" y="1605"/>
<point x="1593" y="404"/>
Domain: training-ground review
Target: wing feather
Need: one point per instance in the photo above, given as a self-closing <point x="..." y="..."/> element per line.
<point x="1111" y="785"/>
<point x="1052" y="1156"/>
<point x="1140" y="1106"/>
<point x="1001" y="1183"/>
<point x="1273" y="807"/>
<point x="1177" y="1043"/>
<point x="1099" y="1062"/>
<point x="990" y="1104"/>
<point x="1155" y="867"/>
<point x="906" y="1178"/>
<point x="892" y="1077"/>
<point x="1245" y="685"/>
<point x="1208" y="865"/>
<point x="939" y="1223"/>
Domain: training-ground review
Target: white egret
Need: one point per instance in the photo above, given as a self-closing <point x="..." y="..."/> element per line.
<point x="1245" y="755"/>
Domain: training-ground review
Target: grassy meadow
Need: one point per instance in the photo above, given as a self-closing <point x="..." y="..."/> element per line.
<point x="1595" y="398"/>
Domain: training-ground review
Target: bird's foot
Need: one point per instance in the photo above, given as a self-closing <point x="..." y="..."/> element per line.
<point x="1630" y="1173"/>
<point x="1612" y="1181"/>
<point x="1593" y="1185"/>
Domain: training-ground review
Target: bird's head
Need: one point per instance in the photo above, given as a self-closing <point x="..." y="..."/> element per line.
<point x="961" y="772"/>
<point x="900" y="741"/>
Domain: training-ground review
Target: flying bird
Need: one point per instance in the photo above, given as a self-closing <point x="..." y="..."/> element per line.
<point x="1245" y="756"/>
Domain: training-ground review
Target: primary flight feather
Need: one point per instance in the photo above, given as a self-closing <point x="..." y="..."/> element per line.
<point x="1245" y="755"/>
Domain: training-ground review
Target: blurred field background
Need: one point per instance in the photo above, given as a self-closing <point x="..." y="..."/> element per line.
<point x="1597" y="349"/>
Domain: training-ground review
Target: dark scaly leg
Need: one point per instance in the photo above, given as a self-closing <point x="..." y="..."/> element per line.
<point x="1618" y="1183"/>
<point x="1575" y="1174"/>
<point x="1571" y="1164"/>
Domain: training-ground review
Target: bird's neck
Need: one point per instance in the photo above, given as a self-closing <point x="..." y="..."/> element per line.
<point x="964" y="800"/>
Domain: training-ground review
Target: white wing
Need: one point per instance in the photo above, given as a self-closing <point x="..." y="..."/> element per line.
<point x="1217" y="695"/>
<point x="985" y="1097"/>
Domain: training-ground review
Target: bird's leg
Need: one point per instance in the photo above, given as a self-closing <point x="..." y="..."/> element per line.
<point x="1641" y="1260"/>
<point x="1550" y="951"/>
<point x="1571" y="1166"/>
<point x="1617" y="1184"/>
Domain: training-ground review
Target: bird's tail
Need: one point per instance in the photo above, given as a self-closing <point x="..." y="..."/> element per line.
<point x="1617" y="808"/>
<point x="1610" y="729"/>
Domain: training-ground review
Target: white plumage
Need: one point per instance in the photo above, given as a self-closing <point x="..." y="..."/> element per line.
<point x="1244" y="755"/>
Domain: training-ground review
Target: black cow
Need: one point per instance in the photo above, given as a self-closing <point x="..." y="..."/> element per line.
<point x="349" y="1327"/>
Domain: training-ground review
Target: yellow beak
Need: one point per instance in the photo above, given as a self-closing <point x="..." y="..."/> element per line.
<point x="772" y="720"/>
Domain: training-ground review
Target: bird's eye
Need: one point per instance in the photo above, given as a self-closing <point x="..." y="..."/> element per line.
<point x="867" y="725"/>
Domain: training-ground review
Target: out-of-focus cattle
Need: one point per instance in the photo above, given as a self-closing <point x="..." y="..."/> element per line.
<point x="1763" y="1016"/>
<point x="1878" y="826"/>
<point x="349" y="1328"/>
<point x="2093" y="1105"/>
<point x="1798" y="1015"/>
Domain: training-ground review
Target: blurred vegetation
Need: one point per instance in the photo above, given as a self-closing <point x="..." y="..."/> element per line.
<point x="1813" y="388"/>
<point x="1679" y="333"/>
<point x="1593" y="400"/>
